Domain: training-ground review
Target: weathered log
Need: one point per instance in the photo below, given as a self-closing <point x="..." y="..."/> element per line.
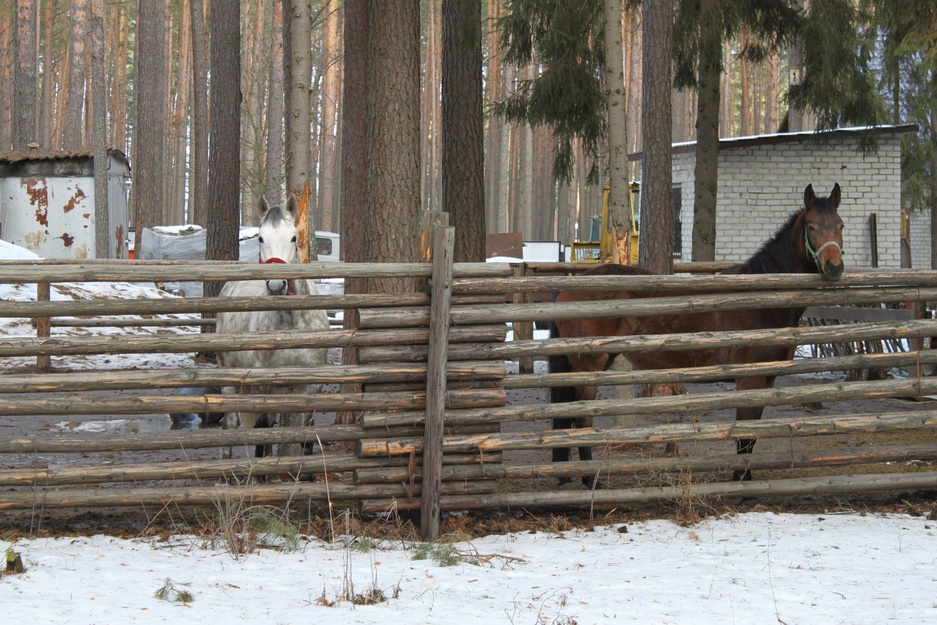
<point x="739" y="282"/>
<point x="644" y="307"/>
<point x="724" y="372"/>
<point x="825" y="486"/>
<point x="259" y="494"/>
<point x="130" y="323"/>
<point x="55" y="346"/>
<point x="700" y="402"/>
<point x="614" y="465"/>
<point x="666" y="342"/>
<point x="182" y="439"/>
<point x="671" y="433"/>
<point x="171" y="404"/>
<point x="93" y="308"/>
<point x="86" y="270"/>
<point x="325" y="374"/>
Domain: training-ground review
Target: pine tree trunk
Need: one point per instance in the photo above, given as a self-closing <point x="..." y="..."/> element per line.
<point x="149" y="128"/>
<point x="618" y="211"/>
<point x="463" y="133"/>
<point x="772" y="103"/>
<point x="299" y="140"/>
<point x="707" y="135"/>
<point x="656" y="246"/>
<point x="273" y="173"/>
<point x="102" y="228"/>
<point x="224" y="158"/>
<point x="24" y="81"/>
<point x="74" y="104"/>
<point x="6" y="78"/>
<point x="330" y="87"/>
<point x="118" y="49"/>
<point x="635" y="79"/>
<point x="179" y="89"/>
<point x="48" y="76"/>
<point x="198" y="178"/>
<point x="494" y="88"/>
<point x="393" y="187"/>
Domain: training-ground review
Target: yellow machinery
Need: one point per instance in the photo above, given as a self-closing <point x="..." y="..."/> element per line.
<point x="605" y="244"/>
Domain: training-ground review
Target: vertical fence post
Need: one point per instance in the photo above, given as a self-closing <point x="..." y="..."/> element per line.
<point x="43" y="325"/>
<point x="440" y="294"/>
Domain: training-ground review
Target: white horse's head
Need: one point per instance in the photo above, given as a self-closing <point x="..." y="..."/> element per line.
<point x="278" y="239"/>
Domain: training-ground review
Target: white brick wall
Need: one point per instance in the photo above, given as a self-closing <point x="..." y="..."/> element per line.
<point x="920" y="240"/>
<point x="761" y="184"/>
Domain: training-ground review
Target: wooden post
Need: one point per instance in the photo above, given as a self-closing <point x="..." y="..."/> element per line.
<point x="523" y="330"/>
<point x="441" y="292"/>
<point x="43" y="325"/>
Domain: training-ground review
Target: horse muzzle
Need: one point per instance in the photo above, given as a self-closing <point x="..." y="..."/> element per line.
<point x="832" y="271"/>
<point x="278" y="287"/>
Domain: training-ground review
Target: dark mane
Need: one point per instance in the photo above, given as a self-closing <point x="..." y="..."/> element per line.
<point x="776" y="255"/>
<point x="276" y="214"/>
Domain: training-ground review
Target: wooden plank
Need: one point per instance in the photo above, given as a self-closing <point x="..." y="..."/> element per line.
<point x="434" y="421"/>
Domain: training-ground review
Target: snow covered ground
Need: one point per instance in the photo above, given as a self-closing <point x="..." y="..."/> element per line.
<point x="751" y="568"/>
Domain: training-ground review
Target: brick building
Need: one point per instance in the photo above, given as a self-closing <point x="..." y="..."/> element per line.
<point x="762" y="181"/>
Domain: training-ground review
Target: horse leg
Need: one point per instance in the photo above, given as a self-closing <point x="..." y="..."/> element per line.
<point x="747" y="445"/>
<point x="563" y="394"/>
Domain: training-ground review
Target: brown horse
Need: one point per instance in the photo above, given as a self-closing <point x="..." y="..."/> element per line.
<point x="809" y="242"/>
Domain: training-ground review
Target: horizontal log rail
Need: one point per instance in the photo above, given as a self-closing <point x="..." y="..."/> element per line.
<point x="760" y="282"/>
<point x="672" y="433"/>
<point x="12" y="272"/>
<point x="663" y="342"/>
<point x="292" y="403"/>
<point x="208" y="495"/>
<point x="912" y="360"/>
<point x="182" y="439"/>
<point x="172" y="305"/>
<point x="653" y="466"/>
<point x="62" y="346"/>
<point x="206" y="377"/>
<point x="820" y="486"/>
<point x="647" y="306"/>
<point x="681" y="404"/>
<point x="136" y="322"/>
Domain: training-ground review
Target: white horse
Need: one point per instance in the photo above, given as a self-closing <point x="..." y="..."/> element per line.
<point x="278" y="236"/>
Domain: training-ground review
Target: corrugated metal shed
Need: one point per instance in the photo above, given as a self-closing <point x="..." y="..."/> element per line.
<point x="47" y="203"/>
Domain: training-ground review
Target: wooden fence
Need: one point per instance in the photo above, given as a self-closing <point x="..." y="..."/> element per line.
<point x="443" y="424"/>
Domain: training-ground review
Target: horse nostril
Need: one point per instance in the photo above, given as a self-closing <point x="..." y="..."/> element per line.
<point x="276" y="287"/>
<point x="833" y="272"/>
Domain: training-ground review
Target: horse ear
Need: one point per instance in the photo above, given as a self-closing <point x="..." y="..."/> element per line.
<point x="262" y="207"/>
<point x="835" y="195"/>
<point x="809" y="197"/>
<point x="292" y="205"/>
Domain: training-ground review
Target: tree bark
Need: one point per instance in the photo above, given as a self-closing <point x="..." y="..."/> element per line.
<point x="273" y="174"/>
<point x="224" y="157"/>
<point x="707" y="134"/>
<point x="494" y="86"/>
<point x="331" y="79"/>
<point x="149" y="128"/>
<point x="48" y="76"/>
<point x="74" y="104"/>
<point x="618" y="208"/>
<point x="299" y="139"/>
<point x="393" y="184"/>
<point x="656" y="248"/>
<point x="118" y="47"/>
<point x="25" y="96"/>
<point x="102" y="228"/>
<point x="198" y="189"/>
<point x="463" y="148"/>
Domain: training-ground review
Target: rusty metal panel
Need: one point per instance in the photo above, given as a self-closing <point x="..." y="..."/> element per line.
<point x="48" y="207"/>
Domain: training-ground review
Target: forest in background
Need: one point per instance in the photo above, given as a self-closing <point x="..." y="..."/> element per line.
<point x="521" y="193"/>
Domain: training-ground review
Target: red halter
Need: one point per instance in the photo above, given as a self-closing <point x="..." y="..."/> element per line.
<point x="276" y="260"/>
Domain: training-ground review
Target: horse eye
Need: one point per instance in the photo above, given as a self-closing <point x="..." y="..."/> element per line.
<point x="294" y="240"/>
<point x="260" y="239"/>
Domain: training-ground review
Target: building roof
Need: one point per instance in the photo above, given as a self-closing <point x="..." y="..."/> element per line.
<point x="792" y="137"/>
<point x="21" y="156"/>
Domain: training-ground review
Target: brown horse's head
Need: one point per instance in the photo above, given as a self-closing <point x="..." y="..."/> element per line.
<point x="823" y="232"/>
